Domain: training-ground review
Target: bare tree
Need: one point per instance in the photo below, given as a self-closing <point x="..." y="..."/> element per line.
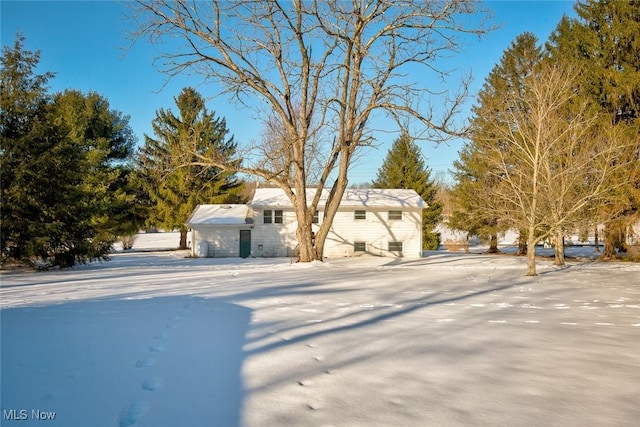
<point x="555" y="162"/>
<point x="317" y="67"/>
<point x="275" y="153"/>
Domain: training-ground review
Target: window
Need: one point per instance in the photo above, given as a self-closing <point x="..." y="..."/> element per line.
<point x="395" y="246"/>
<point x="270" y="217"/>
<point x="316" y="218"/>
<point x="359" y="247"/>
<point x="359" y="214"/>
<point x="277" y="217"/>
<point x="395" y="215"/>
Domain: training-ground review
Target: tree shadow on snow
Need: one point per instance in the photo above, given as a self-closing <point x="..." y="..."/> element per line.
<point x="375" y="316"/>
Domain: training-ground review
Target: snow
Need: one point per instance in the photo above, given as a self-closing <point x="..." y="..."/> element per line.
<point x="219" y="215"/>
<point x="370" y="197"/>
<point x="157" y="339"/>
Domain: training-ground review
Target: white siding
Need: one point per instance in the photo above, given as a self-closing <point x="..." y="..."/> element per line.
<point x="277" y="240"/>
<point x="216" y="230"/>
<point x="376" y="231"/>
<point x="221" y="241"/>
<point x="274" y="240"/>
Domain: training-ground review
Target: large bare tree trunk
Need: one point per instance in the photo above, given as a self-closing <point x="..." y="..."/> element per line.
<point x="333" y="202"/>
<point x="306" y="250"/>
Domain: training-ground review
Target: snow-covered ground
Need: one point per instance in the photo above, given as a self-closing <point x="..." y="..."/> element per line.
<point x="157" y="339"/>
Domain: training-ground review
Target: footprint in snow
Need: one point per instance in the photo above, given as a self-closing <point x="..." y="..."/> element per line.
<point x="162" y="335"/>
<point x="131" y="414"/>
<point x="145" y="363"/>
<point x="151" y="384"/>
<point x="157" y="348"/>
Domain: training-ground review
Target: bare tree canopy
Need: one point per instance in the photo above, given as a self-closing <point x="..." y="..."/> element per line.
<point x="554" y="159"/>
<point x="321" y="71"/>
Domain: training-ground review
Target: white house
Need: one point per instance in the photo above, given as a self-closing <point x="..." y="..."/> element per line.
<point x="385" y="222"/>
<point x="221" y="230"/>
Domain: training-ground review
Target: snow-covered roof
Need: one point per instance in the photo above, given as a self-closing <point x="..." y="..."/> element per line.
<point x="371" y="197"/>
<point x="220" y="215"/>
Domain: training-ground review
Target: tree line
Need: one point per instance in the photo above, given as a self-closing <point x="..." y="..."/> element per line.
<point x="73" y="180"/>
<point x="552" y="143"/>
<point x="66" y="185"/>
<point x="553" y="138"/>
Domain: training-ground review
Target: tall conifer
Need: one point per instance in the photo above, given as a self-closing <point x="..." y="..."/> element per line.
<point x="474" y="211"/>
<point x="59" y="172"/>
<point x="404" y="168"/>
<point x="177" y="185"/>
<point x="603" y="40"/>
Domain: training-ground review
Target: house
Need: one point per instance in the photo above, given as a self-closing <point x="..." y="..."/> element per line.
<point x="221" y="231"/>
<point x="384" y="222"/>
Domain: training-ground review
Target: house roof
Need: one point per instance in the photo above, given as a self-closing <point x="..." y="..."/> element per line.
<point x="371" y="197"/>
<point x="220" y="215"/>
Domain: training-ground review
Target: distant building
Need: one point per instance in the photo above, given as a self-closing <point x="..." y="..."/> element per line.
<point x="383" y="222"/>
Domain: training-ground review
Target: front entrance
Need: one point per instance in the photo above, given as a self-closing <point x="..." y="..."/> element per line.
<point x="245" y="243"/>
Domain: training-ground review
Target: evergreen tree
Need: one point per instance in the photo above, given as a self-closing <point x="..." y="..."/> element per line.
<point x="534" y="136"/>
<point x="404" y="168"/>
<point x="107" y="140"/>
<point x="474" y="212"/>
<point x="603" y="41"/>
<point x="168" y="163"/>
<point x="51" y="151"/>
<point x="38" y="183"/>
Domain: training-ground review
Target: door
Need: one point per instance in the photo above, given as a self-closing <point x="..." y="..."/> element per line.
<point x="245" y="243"/>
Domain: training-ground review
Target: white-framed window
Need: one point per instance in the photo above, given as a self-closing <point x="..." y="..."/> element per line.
<point x="395" y="247"/>
<point x="359" y="214"/>
<point x="267" y="216"/>
<point x="316" y="217"/>
<point x="277" y="216"/>
<point x="359" y="246"/>
<point x="395" y="216"/>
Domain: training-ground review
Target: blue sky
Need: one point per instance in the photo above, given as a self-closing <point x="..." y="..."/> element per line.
<point x="85" y="43"/>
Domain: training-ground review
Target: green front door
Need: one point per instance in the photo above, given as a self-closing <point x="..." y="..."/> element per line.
<point x="245" y="243"/>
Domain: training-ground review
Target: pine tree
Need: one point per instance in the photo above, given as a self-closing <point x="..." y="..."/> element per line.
<point x="472" y="192"/>
<point x="404" y="168"/>
<point x="57" y="153"/>
<point x="603" y="40"/>
<point x="107" y="139"/>
<point x="38" y="183"/>
<point x="544" y="159"/>
<point x="168" y="163"/>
